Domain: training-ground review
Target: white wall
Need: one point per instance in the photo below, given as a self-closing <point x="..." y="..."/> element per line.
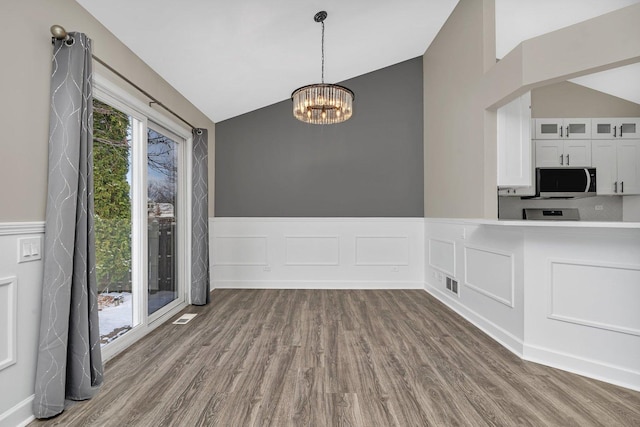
<point x="17" y="375"/>
<point x="326" y="253"/>
<point x="566" y="297"/>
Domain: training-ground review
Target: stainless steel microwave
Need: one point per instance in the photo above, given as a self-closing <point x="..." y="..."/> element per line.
<point x="565" y="182"/>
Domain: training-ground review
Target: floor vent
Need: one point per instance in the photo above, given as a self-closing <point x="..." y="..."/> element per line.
<point x="184" y="319"/>
<point x="452" y="285"/>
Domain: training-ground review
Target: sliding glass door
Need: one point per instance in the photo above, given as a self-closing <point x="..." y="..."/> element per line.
<point x="163" y="216"/>
<point x="140" y="220"/>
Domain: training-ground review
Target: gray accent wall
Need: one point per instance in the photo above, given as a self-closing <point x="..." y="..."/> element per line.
<point x="268" y="164"/>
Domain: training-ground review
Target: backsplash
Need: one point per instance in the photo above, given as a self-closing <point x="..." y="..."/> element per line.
<point x="511" y="207"/>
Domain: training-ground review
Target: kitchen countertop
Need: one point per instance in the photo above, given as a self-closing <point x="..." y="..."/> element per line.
<point x="531" y="223"/>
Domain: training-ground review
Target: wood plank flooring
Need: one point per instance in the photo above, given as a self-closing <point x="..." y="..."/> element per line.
<point x="338" y="358"/>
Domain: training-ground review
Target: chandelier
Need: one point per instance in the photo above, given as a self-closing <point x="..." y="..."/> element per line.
<point x="322" y="103"/>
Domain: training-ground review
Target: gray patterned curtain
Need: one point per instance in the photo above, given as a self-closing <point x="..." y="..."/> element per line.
<point x="69" y="358"/>
<point x="200" y="220"/>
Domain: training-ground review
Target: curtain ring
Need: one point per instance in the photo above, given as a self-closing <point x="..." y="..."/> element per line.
<point x="199" y="132"/>
<point x="69" y="41"/>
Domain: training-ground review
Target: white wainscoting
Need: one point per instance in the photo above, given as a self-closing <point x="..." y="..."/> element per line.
<point x="490" y="272"/>
<point x="565" y="297"/>
<point x="8" y="323"/>
<point x="583" y="293"/>
<point x="320" y="253"/>
<point x="20" y="294"/>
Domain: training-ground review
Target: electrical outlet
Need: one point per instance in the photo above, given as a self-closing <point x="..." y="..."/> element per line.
<point x="440" y="277"/>
<point x="29" y="249"/>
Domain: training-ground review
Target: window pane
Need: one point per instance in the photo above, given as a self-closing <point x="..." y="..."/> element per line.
<point x="162" y="161"/>
<point x="112" y="194"/>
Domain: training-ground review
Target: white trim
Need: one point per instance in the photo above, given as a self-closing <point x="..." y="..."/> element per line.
<point x="18" y="228"/>
<point x="582" y="366"/>
<point x="451" y="242"/>
<point x="585" y="322"/>
<point x="503" y="337"/>
<point x="310" y="264"/>
<point x="103" y="88"/>
<point x="12" y="329"/>
<point x="508" y="302"/>
<point x="315" y="284"/>
<point x="20" y="414"/>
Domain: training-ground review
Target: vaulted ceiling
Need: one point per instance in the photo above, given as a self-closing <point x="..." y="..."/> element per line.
<point x="232" y="57"/>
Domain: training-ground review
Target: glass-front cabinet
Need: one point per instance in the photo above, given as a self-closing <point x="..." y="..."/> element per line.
<point x="615" y="128"/>
<point x="562" y="128"/>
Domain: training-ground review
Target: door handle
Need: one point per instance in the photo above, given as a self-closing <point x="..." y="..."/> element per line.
<point x="561" y="159"/>
<point x="567" y="160"/>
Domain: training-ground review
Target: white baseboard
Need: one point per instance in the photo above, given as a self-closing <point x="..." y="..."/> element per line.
<point x="20" y="415"/>
<point x="297" y="284"/>
<point x="504" y="338"/>
<point x="586" y="367"/>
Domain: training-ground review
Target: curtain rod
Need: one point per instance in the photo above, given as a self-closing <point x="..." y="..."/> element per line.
<point x="60" y="33"/>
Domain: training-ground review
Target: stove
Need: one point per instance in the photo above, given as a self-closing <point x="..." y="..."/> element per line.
<point x="559" y="214"/>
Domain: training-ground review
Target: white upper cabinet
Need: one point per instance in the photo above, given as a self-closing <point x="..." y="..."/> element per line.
<point x="563" y="128"/>
<point x="615" y="128"/>
<point x="558" y="153"/>
<point x="617" y="164"/>
<point x="515" y="166"/>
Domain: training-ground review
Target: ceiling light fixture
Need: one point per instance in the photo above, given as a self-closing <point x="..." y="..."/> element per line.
<point x="322" y="103"/>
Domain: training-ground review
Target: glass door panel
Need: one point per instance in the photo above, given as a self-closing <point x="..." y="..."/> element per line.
<point x="162" y="219"/>
<point x="112" y="130"/>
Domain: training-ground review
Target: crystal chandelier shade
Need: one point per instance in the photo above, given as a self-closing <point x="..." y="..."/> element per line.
<point x="322" y="103"/>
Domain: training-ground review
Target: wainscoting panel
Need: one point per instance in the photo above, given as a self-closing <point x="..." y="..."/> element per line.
<point x="8" y="307"/>
<point x="442" y="255"/>
<point x="20" y="296"/>
<point x="382" y="250"/>
<point x="491" y="273"/>
<point x="312" y="250"/>
<point x="240" y="250"/>
<point x="317" y="253"/>
<point x="599" y="295"/>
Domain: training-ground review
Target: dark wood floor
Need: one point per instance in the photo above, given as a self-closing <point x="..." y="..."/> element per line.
<point x="338" y="358"/>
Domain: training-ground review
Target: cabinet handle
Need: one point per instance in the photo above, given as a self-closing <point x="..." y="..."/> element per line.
<point x="614" y="131"/>
<point x="622" y="186"/>
<point x="615" y="187"/>
<point x="567" y="131"/>
<point x="561" y="135"/>
<point x="561" y="159"/>
<point x="567" y="160"/>
<point x="620" y="132"/>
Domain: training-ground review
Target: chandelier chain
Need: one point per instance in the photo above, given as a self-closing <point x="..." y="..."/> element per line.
<point x="322" y="51"/>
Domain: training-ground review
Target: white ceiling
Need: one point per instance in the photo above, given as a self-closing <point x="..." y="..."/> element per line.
<point x="232" y="57"/>
<point x="623" y="82"/>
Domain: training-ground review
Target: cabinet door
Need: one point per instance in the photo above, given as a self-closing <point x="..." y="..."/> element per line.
<point x="604" y="159"/>
<point x="628" y="128"/>
<point x="514" y="143"/>
<point x="603" y="128"/>
<point x="620" y="127"/>
<point x="628" y="167"/>
<point x="577" y="153"/>
<point x="549" y="154"/>
<point x="549" y="129"/>
<point x="577" y="128"/>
